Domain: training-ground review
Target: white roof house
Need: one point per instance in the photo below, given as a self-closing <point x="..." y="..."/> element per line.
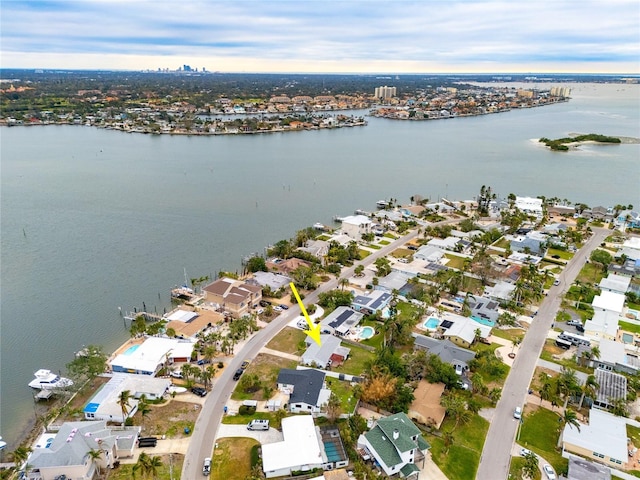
<point x="604" y="438"/>
<point x="355" y="225"/>
<point x="529" y="205"/>
<point x="632" y="242"/>
<point x="147" y="358"/>
<point x="614" y="356"/>
<point x="104" y="404"/>
<point x="184" y="316"/>
<point x="448" y="243"/>
<point x="500" y="291"/>
<point x="611" y="301"/>
<point x="300" y="449"/>
<point x="604" y="324"/>
<point x="429" y="253"/>
<point x="615" y="283"/>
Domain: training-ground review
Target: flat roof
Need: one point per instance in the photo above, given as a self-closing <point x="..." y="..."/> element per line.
<point x="301" y="445"/>
<point x="605" y="434"/>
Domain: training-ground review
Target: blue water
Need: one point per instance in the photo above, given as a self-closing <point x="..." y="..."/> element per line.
<point x="432" y="323"/>
<point x="131" y="349"/>
<point x="367" y="332"/>
<point x="100" y="219"/>
<point x="484" y="321"/>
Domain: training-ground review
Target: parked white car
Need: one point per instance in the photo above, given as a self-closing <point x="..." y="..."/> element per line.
<point x="517" y="413"/>
<point x="549" y="472"/>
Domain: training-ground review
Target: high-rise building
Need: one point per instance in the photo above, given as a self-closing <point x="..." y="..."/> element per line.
<point x="385" y="92"/>
<point x="560" y="91"/>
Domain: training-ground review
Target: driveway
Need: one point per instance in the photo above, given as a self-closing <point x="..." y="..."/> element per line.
<point x="263" y="436"/>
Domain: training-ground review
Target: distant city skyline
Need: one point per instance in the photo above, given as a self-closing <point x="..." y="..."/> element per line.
<point x="441" y="36"/>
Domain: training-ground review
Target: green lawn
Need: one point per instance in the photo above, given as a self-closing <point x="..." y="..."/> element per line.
<point x="375" y="247"/>
<point x="408" y="311"/>
<point x="244" y="419"/>
<point x="266" y="367"/>
<point x="515" y="470"/>
<point x="232" y="458"/>
<point x="343" y="391"/>
<point x="363" y="253"/>
<point x="454" y="261"/>
<point x="501" y="243"/>
<point x="629" y="327"/>
<point x="384" y="242"/>
<point x="508" y="334"/>
<point x="539" y="433"/>
<point x="462" y="459"/>
<point x="124" y="471"/>
<point x="590" y="273"/>
<point x="402" y="253"/>
<point x="634" y="434"/>
<point x="563" y="254"/>
<point x="355" y="364"/>
<point x="391" y="235"/>
<point x="288" y="341"/>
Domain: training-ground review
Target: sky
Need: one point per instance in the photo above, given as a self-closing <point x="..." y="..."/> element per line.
<point x="329" y="36"/>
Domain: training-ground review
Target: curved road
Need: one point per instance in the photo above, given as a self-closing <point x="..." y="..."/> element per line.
<point x="496" y="454"/>
<point x="206" y="426"/>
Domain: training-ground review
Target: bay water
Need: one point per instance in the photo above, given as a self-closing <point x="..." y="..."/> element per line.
<point x="96" y="221"/>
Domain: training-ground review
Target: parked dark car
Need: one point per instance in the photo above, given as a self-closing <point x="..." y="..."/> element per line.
<point x="264" y="303"/>
<point x="284" y="307"/>
<point x="238" y="374"/>
<point x="201" y="392"/>
<point x="203" y="361"/>
<point x="147" y="442"/>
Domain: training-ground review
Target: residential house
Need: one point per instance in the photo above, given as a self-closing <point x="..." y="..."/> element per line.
<point x="330" y="352"/>
<point x="604" y="324"/>
<point x="603" y="439"/>
<point x="306" y="389"/>
<point x="148" y="357"/>
<point x="234" y="296"/>
<point x="104" y="404"/>
<point x="462" y="330"/>
<point x="317" y="248"/>
<point x="396" y="444"/>
<point x="355" y="226"/>
<point x="340" y="321"/>
<point x="446" y="350"/>
<point x="275" y="281"/>
<point x="371" y="302"/>
<point x="429" y="253"/>
<point x="501" y="291"/>
<point x="613" y="356"/>
<point x="628" y="218"/>
<point x="287" y="266"/>
<point x="449" y="243"/>
<point x="611" y="387"/>
<point x="615" y="283"/>
<point x="530" y="206"/>
<point x="484" y="308"/>
<point x="630" y="268"/>
<point x="299" y="450"/>
<point x="67" y="456"/>
<point x="533" y="242"/>
<point x="608" y="301"/>
<point x="396" y="280"/>
<point x="426" y="408"/>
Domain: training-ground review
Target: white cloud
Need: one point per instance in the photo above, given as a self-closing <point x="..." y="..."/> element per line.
<point x="340" y="35"/>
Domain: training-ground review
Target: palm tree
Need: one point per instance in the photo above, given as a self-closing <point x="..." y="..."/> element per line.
<point x="568" y="418"/>
<point x="530" y="466"/>
<point x="144" y="408"/>
<point x="448" y="439"/>
<point x="343" y="283"/>
<point x="141" y="465"/>
<point x="589" y="388"/>
<point x="95" y="455"/>
<point x="153" y="466"/>
<point x="567" y="384"/>
<point x="20" y="455"/>
<point x="545" y="392"/>
<point x="123" y="401"/>
<point x="515" y="342"/>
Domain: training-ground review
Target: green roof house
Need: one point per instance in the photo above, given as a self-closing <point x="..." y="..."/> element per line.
<point x="396" y="444"/>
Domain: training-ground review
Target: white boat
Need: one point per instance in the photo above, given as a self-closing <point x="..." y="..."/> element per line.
<point x="382" y="204"/>
<point x="47" y="380"/>
<point x="176" y="390"/>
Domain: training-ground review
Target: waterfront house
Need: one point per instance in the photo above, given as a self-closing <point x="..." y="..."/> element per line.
<point x="396" y="444"/>
<point x="67" y="455"/>
<point x="355" y="226"/>
<point x="530" y="206"/>
<point x="287" y="266"/>
<point x="149" y="357"/>
<point x="603" y="439"/>
<point x="104" y="404"/>
<point x="234" y="296"/>
<point x="330" y="352"/>
<point x="306" y="389"/>
<point x="275" y="281"/>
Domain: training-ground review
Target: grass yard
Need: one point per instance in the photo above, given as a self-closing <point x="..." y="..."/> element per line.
<point x="462" y="459"/>
<point x="402" y="253"/>
<point x="515" y="470"/>
<point x="374" y="246"/>
<point x="590" y="273"/>
<point x="393" y="236"/>
<point x="629" y="327"/>
<point x="355" y="364"/>
<point x="232" y="458"/>
<point x="407" y="311"/>
<point x="634" y="434"/>
<point x="363" y="253"/>
<point x="343" y="391"/>
<point x="539" y="433"/>
<point x="173" y="462"/>
<point x="508" y="334"/>
<point x="288" y="341"/>
<point x="244" y="419"/>
<point x="563" y="254"/>
<point x="267" y="368"/>
<point x="501" y="243"/>
<point x="384" y="242"/>
<point x="454" y="261"/>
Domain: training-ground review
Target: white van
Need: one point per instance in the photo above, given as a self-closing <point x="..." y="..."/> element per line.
<point x="206" y="466"/>
<point x="258" y="425"/>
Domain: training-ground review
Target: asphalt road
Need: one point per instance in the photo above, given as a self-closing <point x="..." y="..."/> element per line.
<point x="495" y="459"/>
<point x="205" y="429"/>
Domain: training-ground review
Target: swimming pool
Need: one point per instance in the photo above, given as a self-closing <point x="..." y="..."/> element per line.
<point x="484" y="321"/>
<point x="627" y="338"/>
<point x="366" y="333"/>
<point x="131" y="349"/>
<point x="432" y="323"/>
